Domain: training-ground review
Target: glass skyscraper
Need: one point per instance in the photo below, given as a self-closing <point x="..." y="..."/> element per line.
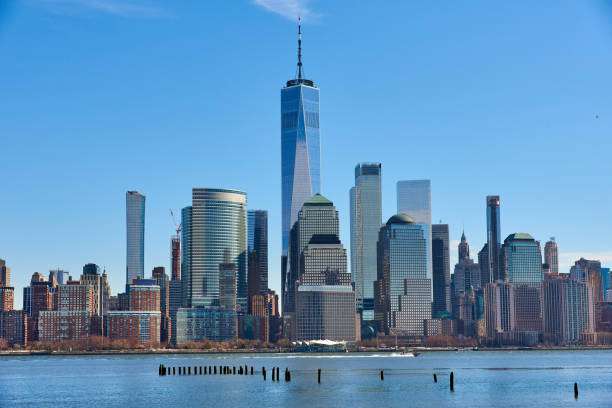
<point x="414" y="199"/>
<point x="300" y="148"/>
<point x="494" y="238"/>
<point x="366" y="220"/>
<point x="258" y="250"/>
<point x="551" y="256"/>
<point x="522" y="260"/>
<point x="135" y="222"/>
<point x="403" y="289"/>
<point x="214" y="232"/>
<point x="441" y="269"/>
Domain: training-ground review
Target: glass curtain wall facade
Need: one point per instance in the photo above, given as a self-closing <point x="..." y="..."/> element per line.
<point x="494" y="238"/>
<point x="135" y="222"/>
<point x="441" y="269"/>
<point x="258" y="246"/>
<point x="414" y="199"/>
<point x="214" y="232"/>
<point x="522" y="260"/>
<point x="366" y="220"/>
<point x="551" y="256"/>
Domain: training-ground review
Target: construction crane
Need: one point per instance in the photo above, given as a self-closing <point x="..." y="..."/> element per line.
<point x="176" y="226"/>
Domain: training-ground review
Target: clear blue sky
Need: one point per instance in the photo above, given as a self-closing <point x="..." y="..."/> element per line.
<point x="104" y="96"/>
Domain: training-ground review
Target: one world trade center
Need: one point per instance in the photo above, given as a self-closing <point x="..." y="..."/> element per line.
<point x="300" y="152"/>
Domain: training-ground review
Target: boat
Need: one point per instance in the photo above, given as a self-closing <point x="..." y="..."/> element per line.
<point x="320" y="346"/>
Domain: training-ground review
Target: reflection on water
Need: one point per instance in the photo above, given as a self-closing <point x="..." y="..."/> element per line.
<point x="482" y="379"/>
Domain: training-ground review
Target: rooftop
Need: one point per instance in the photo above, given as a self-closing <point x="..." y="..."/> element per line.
<point x="519" y="236"/>
<point x="401" y="219"/>
<point x="318" y="199"/>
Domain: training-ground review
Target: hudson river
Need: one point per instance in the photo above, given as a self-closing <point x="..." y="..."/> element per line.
<point x="482" y="379"/>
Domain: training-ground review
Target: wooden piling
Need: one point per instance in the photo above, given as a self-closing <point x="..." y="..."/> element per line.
<point x="277" y="374"/>
<point x="263" y="371"/>
<point x="234" y="370"/>
<point x="273" y="373"/>
<point x="382" y="375"/>
<point x="435" y="378"/>
<point x="319" y="376"/>
<point x="576" y="390"/>
<point x="452" y="381"/>
<point x="173" y="370"/>
<point x="188" y="370"/>
<point x="251" y="370"/>
<point x="200" y="370"/>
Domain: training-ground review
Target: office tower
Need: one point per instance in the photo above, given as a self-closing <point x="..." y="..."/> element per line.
<point x="441" y="269"/>
<point x="227" y="286"/>
<point x="402" y="293"/>
<point x="7" y="298"/>
<point x="522" y="260"/>
<point x="214" y="231"/>
<point x="61" y="276"/>
<point x="605" y="281"/>
<point x="467" y="273"/>
<point x="175" y="257"/>
<point x="499" y="308"/>
<point x="366" y="220"/>
<point x="485" y="267"/>
<point x="135" y="222"/>
<point x="414" y="200"/>
<point x="161" y="279"/>
<point x="325" y="299"/>
<point x="317" y="216"/>
<point x="494" y="238"/>
<point x="258" y="252"/>
<point x="300" y="150"/>
<point x="175" y="302"/>
<point x="551" y="256"/>
<point x="205" y="323"/>
<point x="91" y="276"/>
<point x="274" y="316"/>
<point x="5" y="274"/>
<point x="568" y="309"/>
<point x="464" y="248"/>
<point x="581" y="268"/>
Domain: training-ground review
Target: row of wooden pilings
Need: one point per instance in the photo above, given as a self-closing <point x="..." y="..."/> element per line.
<point x="225" y="370"/>
<point x="222" y="370"/>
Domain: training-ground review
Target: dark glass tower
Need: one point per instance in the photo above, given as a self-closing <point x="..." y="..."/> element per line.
<point x="300" y="150"/>
<point x="494" y="237"/>
<point x="258" y="252"/>
<point x="441" y="269"/>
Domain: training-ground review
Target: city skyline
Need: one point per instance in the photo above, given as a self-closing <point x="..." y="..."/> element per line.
<point x="525" y="209"/>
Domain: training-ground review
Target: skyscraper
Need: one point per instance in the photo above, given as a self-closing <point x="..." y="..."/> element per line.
<point x="135" y="222"/>
<point x="317" y="216"/>
<point x="214" y="232"/>
<point x="258" y="251"/>
<point x="441" y="269"/>
<point x="464" y="248"/>
<point x="5" y="274"/>
<point x="551" y="256"/>
<point x="494" y="238"/>
<point x="175" y="257"/>
<point x="485" y="267"/>
<point x="366" y="220"/>
<point x="403" y="289"/>
<point x="414" y="199"/>
<point x="300" y="148"/>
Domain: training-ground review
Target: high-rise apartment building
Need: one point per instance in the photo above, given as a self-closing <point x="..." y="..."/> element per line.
<point x="366" y="219"/>
<point x="499" y="308"/>
<point x="258" y="252"/>
<point x="175" y="257"/>
<point x="414" y="199"/>
<point x="5" y="274"/>
<point x="91" y="276"/>
<point x="175" y="303"/>
<point x="317" y="216"/>
<point x="300" y="150"/>
<point x="551" y="256"/>
<point x="568" y="309"/>
<point x="494" y="238"/>
<point x="214" y="232"/>
<point x="161" y="279"/>
<point x="7" y="298"/>
<point x="440" y="254"/>
<point x="135" y="226"/>
<point x="403" y="288"/>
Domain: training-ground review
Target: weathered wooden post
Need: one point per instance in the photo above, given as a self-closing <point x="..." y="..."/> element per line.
<point x="188" y="370"/>
<point x="435" y="378"/>
<point x="251" y="370"/>
<point x="576" y="390"/>
<point x="234" y="370"/>
<point x="263" y="371"/>
<point x="277" y="374"/>
<point x="173" y="370"/>
<point x="452" y="381"/>
<point x="382" y="375"/>
<point x="273" y="373"/>
<point x="319" y="376"/>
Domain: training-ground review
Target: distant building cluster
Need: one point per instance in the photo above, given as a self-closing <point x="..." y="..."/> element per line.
<point x="398" y="284"/>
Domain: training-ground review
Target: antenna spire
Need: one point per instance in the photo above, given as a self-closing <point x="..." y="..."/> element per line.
<point x="299" y="47"/>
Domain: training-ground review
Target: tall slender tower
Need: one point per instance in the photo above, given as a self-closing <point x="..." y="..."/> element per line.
<point x="551" y="256"/>
<point x="135" y="223"/>
<point x="494" y="238"/>
<point x="441" y="269"/>
<point x="300" y="150"/>
<point x="366" y="220"/>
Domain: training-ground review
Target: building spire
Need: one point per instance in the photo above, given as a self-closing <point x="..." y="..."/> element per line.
<point x="299" y="47"/>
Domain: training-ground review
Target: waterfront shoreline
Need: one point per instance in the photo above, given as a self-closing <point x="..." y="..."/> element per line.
<point x="34" y="353"/>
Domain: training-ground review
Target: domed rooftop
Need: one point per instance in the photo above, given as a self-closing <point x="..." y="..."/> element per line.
<point x="401" y="219"/>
